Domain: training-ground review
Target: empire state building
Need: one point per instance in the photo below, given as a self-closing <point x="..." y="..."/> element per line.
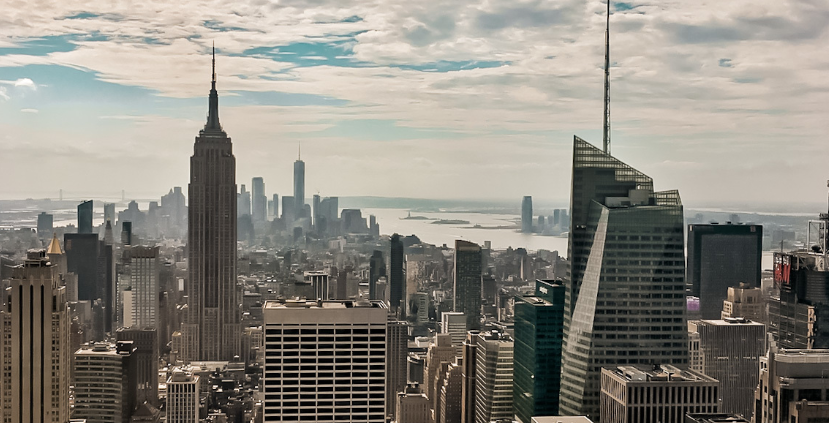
<point x="212" y="327"/>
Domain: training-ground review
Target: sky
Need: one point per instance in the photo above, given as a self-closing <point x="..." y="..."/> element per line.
<point x="725" y="101"/>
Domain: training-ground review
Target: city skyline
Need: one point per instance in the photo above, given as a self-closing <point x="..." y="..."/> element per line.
<point x="460" y="88"/>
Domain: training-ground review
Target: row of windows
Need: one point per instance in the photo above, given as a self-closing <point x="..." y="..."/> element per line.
<point x="343" y="391"/>
<point x="321" y="418"/>
<point x="314" y="406"/>
<point x="338" y="331"/>
<point x="309" y="395"/>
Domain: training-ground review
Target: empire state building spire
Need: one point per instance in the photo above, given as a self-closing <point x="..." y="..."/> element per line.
<point x="213" y="113"/>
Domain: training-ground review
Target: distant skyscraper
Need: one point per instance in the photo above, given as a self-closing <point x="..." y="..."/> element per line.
<point x="468" y="282"/>
<point x="259" y="200"/>
<point x="316" y="207"/>
<point x="299" y="188"/>
<point x="144" y="273"/>
<point x="275" y="206"/>
<point x="93" y="262"/>
<point x="397" y="352"/>
<point x="85" y="217"/>
<point x="624" y="238"/>
<point x="45" y="225"/>
<point x="397" y="277"/>
<point x="527" y="214"/>
<point x="109" y="212"/>
<point x="356" y="394"/>
<point x="288" y="209"/>
<point x="719" y="257"/>
<point x="377" y="269"/>
<point x="182" y="397"/>
<point x="243" y="202"/>
<point x="36" y="355"/>
<point x="539" y="322"/>
<point x="103" y="392"/>
<point x="212" y="329"/>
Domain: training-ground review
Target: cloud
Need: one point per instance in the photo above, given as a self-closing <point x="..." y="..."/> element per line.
<point x="25" y="82"/>
<point x="29" y="110"/>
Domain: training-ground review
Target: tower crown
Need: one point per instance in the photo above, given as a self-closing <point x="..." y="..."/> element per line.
<point x="213" y="111"/>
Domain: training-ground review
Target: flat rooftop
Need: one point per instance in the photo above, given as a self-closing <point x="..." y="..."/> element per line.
<point x="663" y="373"/>
<point x="321" y="305"/>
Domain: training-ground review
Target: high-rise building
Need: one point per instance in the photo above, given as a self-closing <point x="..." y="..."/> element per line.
<point x="299" y="188"/>
<point x="109" y="212"/>
<point x="527" y="214"/>
<point x="36" y="355"/>
<point x="468" y="282"/>
<point x="275" y="206"/>
<point x="328" y="334"/>
<point x="315" y="208"/>
<point x="799" y="300"/>
<point x="469" y="355"/>
<point x="397" y="353"/>
<point x="397" y="277"/>
<point x="624" y="238"/>
<point x="93" y="262"/>
<point x="85" y="217"/>
<point x="144" y="274"/>
<point x="259" y="200"/>
<point x="439" y="352"/>
<point x="412" y="406"/>
<point x="731" y="351"/>
<point x="632" y="394"/>
<point x="454" y="323"/>
<point x="288" y="209"/>
<point x="793" y="386"/>
<point x="719" y="257"/>
<point x="493" y="377"/>
<point x="103" y="392"/>
<point x="451" y="392"/>
<point x="212" y="329"/>
<point x="183" y="397"/>
<point x="539" y="323"/>
<point x="243" y="205"/>
<point x="744" y="302"/>
<point x="45" y="225"/>
<point x="145" y="358"/>
<point x="377" y="269"/>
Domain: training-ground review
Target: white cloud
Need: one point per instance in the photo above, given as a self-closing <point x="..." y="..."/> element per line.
<point x="29" y="111"/>
<point x="25" y="82"/>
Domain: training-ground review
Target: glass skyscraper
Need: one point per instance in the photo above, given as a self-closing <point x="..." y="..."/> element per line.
<point x="468" y="282"/>
<point x="624" y="299"/>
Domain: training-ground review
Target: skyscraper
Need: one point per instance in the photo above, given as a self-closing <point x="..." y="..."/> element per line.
<point x="85" y="217"/>
<point x="527" y="214"/>
<point x="212" y="329"/>
<point x="36" y="355"/>
<point x="493" y="377"/>
<point x="259" y="200"/>
<point x="397" y="277"/>
<point x="468" y="282"/>
<point x="109" y="212"/>
<point x="377" y="269"/>
<point x="145" y="358"/>
<point x="299" y="188"/>
<point x="275" y="206"/>
<point x="182" y="397"/>
<point x="719" y="257"/>
<point x="144" y="273"/>
<point x="625" y="298"/>
<point x="397" y="352"/>
<point x="93" y="262"/>
<point x="45" y="225"/>
<point x="539" y="321"/>
<point x="103" y="390"/>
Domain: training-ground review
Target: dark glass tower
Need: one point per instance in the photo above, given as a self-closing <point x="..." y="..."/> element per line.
<point x="625" y="298"/>
<point x="85" y="217"/>
<point x="212" y="329"/>
<point x="719" y="257"/>
<point x="468" y="282"/>
<point x="377" y="268"/>
<point x="527" y="214"/>
<point x="539" y="323"/>
<point x="397" y="277"/>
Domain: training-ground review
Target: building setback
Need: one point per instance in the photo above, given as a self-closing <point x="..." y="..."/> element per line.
<point x="335" y="351"/>
<point x="633" y="394"/>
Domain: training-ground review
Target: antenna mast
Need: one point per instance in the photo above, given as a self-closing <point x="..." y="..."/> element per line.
<point x="606" y="128"/>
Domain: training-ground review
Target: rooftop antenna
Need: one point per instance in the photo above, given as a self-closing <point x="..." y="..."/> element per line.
<point x="299" y="150"/>
<point x="606" y="138"/>
<point x="214" y="64"/>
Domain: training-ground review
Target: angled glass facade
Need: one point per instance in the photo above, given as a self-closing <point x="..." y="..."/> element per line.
<point x="539" y="322"/>
<point x="624" y="300"/>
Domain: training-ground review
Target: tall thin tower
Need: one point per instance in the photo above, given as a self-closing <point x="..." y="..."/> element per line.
<point x="606" y="128"/>
<point x="299" y="185"/>
<point x="211" y="331"/>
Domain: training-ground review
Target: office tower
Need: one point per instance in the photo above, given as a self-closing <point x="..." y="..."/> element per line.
<point x="450" y="404"/>
<point x="93" y="263"/>
<point x="259" y="200"/>
<point x="493" y="377"/>
<point x="145" y="356"/>
<point x="632" y="394"/>
<point x="397" y="352"/>
<point x="469" y="355"/>
<point x="539" y="323"/>
<point x="556" y="217"/>
<point x="102" y="383"/>
<point x="319" y="283"/>
<point x="527" y="214"/>
<point x="467" y="289"/>
<point x="454" y="323"/>
<point x="719" y="257"/>
<point x="212" y="329"/>
<point x="397" y="277"/>
<point x="182" y="397"/>
<point x="45" y="225"/>
<point x="793" y="386"/>
<point x="439" y="352"/>
<point x="288" y="209"/>
<point x="243" y="202"/>
<point x="412" y="406"/>
<point x="731" y="351"/>
<point x="421" y="302"/>
<point x="799" y="301"/>
<point x="109" y="212"/>
<point x="744" y="302"/>
<point x="85" y="217"/>
<point x="275" y="206"/>
<point x="350" y="387"/>
<point x="624" y="238"/>
<point x="126" y="233"/>
<point x="377" y="269"/>
<point x="316" y="208"/>
<point x="299" y="188"/>
<point x="36" y="355"/>
<point x="144" y="273"/>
